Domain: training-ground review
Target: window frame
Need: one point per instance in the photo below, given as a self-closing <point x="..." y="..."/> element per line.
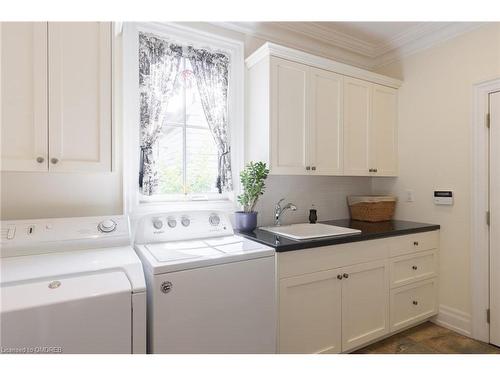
<point x="134" y="201"/>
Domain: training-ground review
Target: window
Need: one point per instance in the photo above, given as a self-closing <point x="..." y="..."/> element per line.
<point x="187" y="153"/>
<point x="177" y="154"/>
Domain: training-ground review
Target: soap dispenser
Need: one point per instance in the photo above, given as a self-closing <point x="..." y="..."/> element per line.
<point x="313" y="215"/>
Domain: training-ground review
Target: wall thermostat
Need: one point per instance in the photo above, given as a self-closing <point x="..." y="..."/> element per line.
<point x="443" y="197"/>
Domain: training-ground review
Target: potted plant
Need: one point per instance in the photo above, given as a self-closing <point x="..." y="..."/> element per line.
<point x="252" y="179"/>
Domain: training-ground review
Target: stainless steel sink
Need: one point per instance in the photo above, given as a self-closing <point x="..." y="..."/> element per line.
<point x="306" y="231"/>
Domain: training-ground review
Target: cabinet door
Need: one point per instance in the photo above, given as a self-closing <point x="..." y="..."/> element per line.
<point x="326" y="147"/>
<point x="310" y="313"/>
<point x="289" y="116"/>
<point x="365" y="303"/>
<point x="357" y="111"/>
<point x="383" y="131"/>
<point x="23" y="93"/>
<point x="80" y="96"/>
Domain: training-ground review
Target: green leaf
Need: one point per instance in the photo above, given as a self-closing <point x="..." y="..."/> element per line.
<point x="252" y="179"/>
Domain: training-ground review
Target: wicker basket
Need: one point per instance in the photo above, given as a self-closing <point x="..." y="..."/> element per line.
<point x="371" y="208"/>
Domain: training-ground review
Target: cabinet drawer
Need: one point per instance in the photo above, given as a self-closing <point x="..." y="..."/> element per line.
<point x="414" y="242"/>
<point x="412" y="303"/>
<point x="415" y="267"/>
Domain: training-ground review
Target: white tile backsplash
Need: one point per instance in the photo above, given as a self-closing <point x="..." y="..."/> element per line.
<point x="327" y="193"/>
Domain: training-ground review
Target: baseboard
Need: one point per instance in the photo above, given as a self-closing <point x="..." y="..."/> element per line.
<point x="454" y="319"/>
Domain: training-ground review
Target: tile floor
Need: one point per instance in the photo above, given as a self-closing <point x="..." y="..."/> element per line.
<point x="428" y="338"/>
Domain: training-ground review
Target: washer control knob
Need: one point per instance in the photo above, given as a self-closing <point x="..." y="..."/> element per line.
<point x="172" y="223"/>
<point x="157" y="223"/>
<point x="106" y="226"/>
<point x="185" y="221"/>
<point x="214" y="219"/>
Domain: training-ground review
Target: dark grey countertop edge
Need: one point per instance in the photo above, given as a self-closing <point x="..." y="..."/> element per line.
<point x="292" y="245"/>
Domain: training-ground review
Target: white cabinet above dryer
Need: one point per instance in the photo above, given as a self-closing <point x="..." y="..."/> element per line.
<point x="306" y="117"/>
<point x="56" y="103"/>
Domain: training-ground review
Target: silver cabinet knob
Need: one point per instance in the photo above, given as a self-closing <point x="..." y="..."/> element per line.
<point x="415" y="303"/>
<point x="371" y="170"/>
<point x="339" y="277"/>
<point x="345" y="275"/>
<point x="54" y="160"/>
<point x="308" y="168"/>
<point x="40" y="159"/>
<point x="375" y="170"/>
<point x="313" y="168"/>
<point x="414" y="268"/>
<point x="415" y="243"/>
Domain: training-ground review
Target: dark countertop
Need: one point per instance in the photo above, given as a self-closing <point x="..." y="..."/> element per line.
<point x="369" y="231"/>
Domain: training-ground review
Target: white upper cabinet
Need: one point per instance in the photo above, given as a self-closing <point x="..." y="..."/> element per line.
<point x="383" y="132"/>
<point x="23" y="93"/>
<point x="80" y="96"/>
<point x="56" y="96"/>
<point x="370" y="129"/>
<point x="312" y="116"/>
<point x="325" y="151"/>
<point x="289" y="118"/>
<point x="357" y="105"/>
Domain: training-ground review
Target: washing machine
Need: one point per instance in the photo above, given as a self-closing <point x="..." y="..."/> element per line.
<point x="209" y="290"/>
<point x="72" y="285"/>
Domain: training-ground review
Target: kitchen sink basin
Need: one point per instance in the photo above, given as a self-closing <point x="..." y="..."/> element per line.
<point x="306" y="231"/>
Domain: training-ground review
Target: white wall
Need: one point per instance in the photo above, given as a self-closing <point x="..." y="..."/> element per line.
<point x="435" y="112"/>
<point x="328" y="194"/>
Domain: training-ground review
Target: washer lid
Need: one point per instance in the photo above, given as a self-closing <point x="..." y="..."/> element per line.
<point x="183" y="255"/>
<point x="23" y="269"/>
<point x="167" y="252"/>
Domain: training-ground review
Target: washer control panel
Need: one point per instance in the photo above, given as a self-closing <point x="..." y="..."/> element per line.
<point x="20" y="237"/>
<point x="178" y="226"/>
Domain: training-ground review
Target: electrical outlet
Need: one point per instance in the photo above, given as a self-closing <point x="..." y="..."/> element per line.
<point x="409" y="196"/>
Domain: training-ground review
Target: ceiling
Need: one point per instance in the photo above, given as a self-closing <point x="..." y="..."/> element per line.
<point x="366" y="44"/>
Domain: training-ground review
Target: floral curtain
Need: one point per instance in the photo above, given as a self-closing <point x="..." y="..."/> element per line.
<point x="211" y="73"/>
<point x="159" y="65"/>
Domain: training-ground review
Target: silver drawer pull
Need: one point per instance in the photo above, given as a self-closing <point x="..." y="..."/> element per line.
<point x="40" y="159"/>
<point x="414" y="268"/>
<point x="415" y="303"/>
<point x="54" y="160"/>
<point x="415" y="243"/>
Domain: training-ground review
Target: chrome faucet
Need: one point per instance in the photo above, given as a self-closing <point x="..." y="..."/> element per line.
<point x="278" y="210"/>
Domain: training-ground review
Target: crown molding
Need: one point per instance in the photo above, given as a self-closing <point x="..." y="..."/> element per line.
<point x="271" y="49"/>
<point x="430" y="37"/>
<point x="275" y="33"/>
<point x="350" y="50"/>
<point x="332" y="37"/>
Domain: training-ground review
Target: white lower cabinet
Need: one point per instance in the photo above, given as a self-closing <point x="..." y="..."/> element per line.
<point x="338" y="298"/>
<point x="310" y="313"/>
<point x="412" y="303"/>
<point x="365" y="303"/>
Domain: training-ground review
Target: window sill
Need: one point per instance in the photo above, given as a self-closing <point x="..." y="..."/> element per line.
<point x="152" y="206"/>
